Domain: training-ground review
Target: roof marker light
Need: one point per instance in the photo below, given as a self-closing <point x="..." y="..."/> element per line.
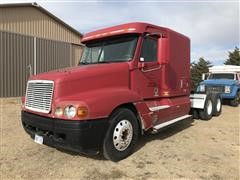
<point x="112" y="32"/>
<point x="117" y="31"/>
<point x="131" y="29"/>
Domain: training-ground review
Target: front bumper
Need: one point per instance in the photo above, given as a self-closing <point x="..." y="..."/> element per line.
<point x="78" y="136"/>
<point x="228" y="95"/>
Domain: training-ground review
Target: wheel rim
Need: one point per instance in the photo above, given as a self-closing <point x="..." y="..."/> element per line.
<point x="218" y="105"/>
<point x="209" y="107"/>
<point x="122" y="135"/>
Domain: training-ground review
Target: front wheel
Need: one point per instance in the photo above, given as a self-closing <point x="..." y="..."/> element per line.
<point x="234" y="102"/>
<point x="122" y="135"/>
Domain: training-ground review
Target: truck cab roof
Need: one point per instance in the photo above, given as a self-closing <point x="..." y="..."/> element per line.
<point x="128" y="28"/>
<point x="225" y="69"/>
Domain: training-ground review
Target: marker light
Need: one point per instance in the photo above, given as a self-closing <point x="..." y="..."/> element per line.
<point x="23" y="102"/>
<point x="82" y="112"/>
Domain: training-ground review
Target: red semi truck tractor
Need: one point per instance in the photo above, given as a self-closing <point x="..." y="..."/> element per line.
<point x="132" y="79"/>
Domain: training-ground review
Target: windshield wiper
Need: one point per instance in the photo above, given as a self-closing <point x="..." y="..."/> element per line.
<point x="99" y="62"/>
<point x="84" y="62"/>
<point x="110" y="61"/>
<point x="104" y="61"/>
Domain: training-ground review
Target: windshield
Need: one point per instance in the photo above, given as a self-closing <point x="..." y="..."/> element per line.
<point x="221" y="76"/>
<point x="118" y="49"/>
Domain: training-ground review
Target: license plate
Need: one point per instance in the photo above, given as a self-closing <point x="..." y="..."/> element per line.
<point x="38" y="139"/>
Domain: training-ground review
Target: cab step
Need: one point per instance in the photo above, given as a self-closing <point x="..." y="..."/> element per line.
<point x="167" y="123"/>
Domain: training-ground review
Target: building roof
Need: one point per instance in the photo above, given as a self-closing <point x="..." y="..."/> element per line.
<point x="35" y="5"/>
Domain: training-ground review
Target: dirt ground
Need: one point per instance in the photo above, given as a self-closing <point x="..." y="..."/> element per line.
<point x="190" y="149"/>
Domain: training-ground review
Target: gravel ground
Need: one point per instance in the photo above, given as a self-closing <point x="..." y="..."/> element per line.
<point x="190" y="149"/>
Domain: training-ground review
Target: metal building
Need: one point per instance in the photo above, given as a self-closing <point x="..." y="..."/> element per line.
<point x="32" y="40"/>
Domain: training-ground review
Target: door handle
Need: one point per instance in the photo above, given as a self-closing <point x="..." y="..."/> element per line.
<point x="181" y="83"/>
<point x="153" y="69"/>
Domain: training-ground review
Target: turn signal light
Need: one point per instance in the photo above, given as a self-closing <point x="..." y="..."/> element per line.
<point x="82" y="112"/>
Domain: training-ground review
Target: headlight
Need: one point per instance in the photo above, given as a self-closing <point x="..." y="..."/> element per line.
<point x="227" y="89"/>
<point x="202" y="88"/>
<point x="58" y="111"/>
<point x="70" y="111"/>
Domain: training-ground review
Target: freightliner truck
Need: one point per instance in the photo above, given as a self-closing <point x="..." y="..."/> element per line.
<point x="225" y="80"/>
<point x="132" y="79"/>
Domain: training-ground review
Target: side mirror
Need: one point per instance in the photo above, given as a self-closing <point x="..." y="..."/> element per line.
<point x="205" y="76"/>
<point x="163" y="55"/>
<point x="29" y="67"/>
<point x="141" y="59"/>
<point x="141" y="63"/>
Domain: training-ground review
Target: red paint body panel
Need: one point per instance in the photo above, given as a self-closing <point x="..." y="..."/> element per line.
<point x="101" y="91"/>
<point x="103" y="87"/>
<point x="136" y="27"/>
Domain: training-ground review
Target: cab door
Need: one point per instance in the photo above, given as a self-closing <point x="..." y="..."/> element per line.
<point x="149" y="71"/>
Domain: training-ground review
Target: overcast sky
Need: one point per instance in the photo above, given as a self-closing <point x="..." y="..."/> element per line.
<point x="213" y="27"/>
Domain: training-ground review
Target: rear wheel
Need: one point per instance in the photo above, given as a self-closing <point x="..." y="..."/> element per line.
<point x="194" y="113"/>
<point x="122" y="135"/>
<point x="217" y="105"/>
<point x="207" y="112"/>
<point x="234" y="102"/>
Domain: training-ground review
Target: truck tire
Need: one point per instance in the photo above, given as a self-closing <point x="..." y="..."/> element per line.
<point x="234" y="102"/>
<point x="121" y="136"/>
<point x="194" y="113"/>
<point x="217" y="105"/>
<point x="207" y="112"/>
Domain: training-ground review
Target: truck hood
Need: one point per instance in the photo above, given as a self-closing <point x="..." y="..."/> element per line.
<point x="223" y="82"/>
<point x="85" y="78"/>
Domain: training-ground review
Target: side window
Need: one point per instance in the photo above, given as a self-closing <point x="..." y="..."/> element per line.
<point x="149" y="49"/>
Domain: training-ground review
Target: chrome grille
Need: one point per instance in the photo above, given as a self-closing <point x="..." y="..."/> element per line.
<point x="215" y="89"/>
<point x="39" y="95"/>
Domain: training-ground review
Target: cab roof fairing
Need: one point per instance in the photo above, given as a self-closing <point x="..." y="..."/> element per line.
<point x="129" y="28"/>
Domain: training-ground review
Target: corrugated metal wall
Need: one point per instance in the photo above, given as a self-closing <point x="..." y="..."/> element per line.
<point x="52" y="55"/>
<point x="31" y="21"/>
<point x="76" y="54"/>
<point x="17" y="52"/>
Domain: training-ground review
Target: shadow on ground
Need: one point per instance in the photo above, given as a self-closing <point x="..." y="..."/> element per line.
<point x="143" y="140"/>
<point x="165" y="132"/>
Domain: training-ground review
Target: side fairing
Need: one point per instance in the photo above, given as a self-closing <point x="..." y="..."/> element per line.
<point x="101" y="102"/>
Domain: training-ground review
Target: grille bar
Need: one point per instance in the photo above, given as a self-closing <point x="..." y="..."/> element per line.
<point x="39" y="95"/>
<point x="215" y="89"/>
